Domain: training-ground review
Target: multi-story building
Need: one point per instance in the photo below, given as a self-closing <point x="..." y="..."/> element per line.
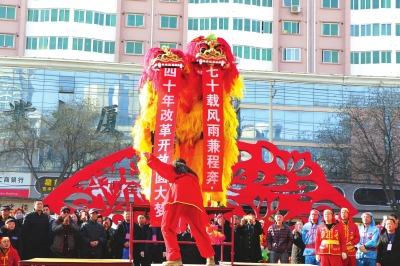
<point x="357" y="37"/>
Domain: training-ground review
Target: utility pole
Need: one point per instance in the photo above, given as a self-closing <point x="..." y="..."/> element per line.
<point x="271" y="117"/>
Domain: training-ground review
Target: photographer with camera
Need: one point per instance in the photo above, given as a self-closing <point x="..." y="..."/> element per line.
<point x="64" y="229"/>
<point x="250" y="229"/>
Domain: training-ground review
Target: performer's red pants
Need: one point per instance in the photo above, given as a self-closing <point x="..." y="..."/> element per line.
<point x="331" y="260"/>
<point x="350" y="261"/>
<point x="195" y="218"/>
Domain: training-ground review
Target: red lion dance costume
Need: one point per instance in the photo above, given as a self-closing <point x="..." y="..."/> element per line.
<point x="202" y="53"/>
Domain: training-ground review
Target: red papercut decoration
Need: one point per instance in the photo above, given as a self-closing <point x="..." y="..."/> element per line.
<point x="254" y="184"/>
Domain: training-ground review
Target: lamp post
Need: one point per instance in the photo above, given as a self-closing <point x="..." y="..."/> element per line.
<point x="271" y="123"/>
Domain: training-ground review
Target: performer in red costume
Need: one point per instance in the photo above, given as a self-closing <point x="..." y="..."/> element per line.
<point x="352" y="236"/>
<point x="183" y="199"/>
<point x="330" y="242"/>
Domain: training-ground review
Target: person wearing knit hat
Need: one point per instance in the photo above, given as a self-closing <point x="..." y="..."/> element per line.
<point x="308" y="236"/>
<point x="5" y="214"/>
<point x="9" y="230"/>
<point x="330" y="242"/>
<point x="8" y="255"/>
<point x="352" y="236"/>
<point x="369" y="236"/>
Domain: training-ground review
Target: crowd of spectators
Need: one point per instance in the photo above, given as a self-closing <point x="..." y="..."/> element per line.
<point x="324" y="240"/>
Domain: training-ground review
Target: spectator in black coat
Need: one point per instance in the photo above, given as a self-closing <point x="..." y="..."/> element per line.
<point x="190" y="253"/>
<point x="141" y="253"/>
<point x="157" y="250"/>
<point x="121" y="235"/>
<point x="108" y="251"/>
<point x="93" y="237"/>
<point x="389" y="245"/>
<point x="35" y="233"/>
<point x="238" y="244"/>
<point x="220" y="221"/>
<point x="50" y="241"/>
<point x="250" y="229"/>
<point x="18" y="214"/>
<point x="298" y="244"/>
<point x="14" y="234"/>
<point x="5" y="214"/>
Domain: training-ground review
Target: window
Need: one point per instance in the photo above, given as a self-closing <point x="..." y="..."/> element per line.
<point x="54" y="14"/>
<point x="366" y="30"/>
<point x="267" y="27"/>
<point x="204" y="24"/>
<point x="87" y="45"/>
<point x="134" y="48"/>
<point x="237" y="24"/>
<point x="375" y="4"/>
<point x="330" y="29"/>
<point x="329" y="56"/>
<point x="111" y="20"/>
<point x="375" y="29"/>
<point x="266" y="54"/>
<point x="385" y="3"/>
<point x="97" y="46"/>
<point x="44" y="15"/>
<point x="223" y="23"/>
<point x="169" y="22"/>
<point x="365" y="57"/>
<point x="169" y="0"/>
<point x="77" y="44"/>
<point x="33" y="15"/>
<point x="98" y="19"/>
<point x="354" y="58"/>
<point x="193" y="1"/>
<point x="256" y="26"/>
<point x="247" y="23"/>
<point x="330" y="3"/>
<point x="7" y="12"/>
<point x="365" y="4"/>
<point x="267" y="3"/>
<point x="291" y="27"/>
<point x="109" y="47"/>
<point x="43" y="43"/>
<point x="79" y="16"/>
<point x="246" y="52"/>
<point x="62" y="43"/>
<point x="375" y="57"/>
<point x="397" y="29"/>
<point x="291" y="54"/>
<point x="89" y="17"/>
<point x="31" y="43"/>
<point x="291" y="2"/>
<point x="6" y="41"/>
<point x="354" y="30"/>
<point x="386" y="29"/>
<point x="193" y="24"/>
<point x="397" y="57"/>
<point x="170" y="45"/>
<point x="63" y="15"/>
<point x="354" y="4"/>
<point x="386" y="57"/>
<point x="53" y="43"/>
<point x="397" y="3"/>
<point x="135" y="20"/>
<point x="66" y="84"/>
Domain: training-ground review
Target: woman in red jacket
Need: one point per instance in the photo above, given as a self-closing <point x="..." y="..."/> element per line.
<point x="183" y="199"/>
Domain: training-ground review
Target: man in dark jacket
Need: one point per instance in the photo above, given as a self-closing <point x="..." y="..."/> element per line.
<point x="280" y="240"/>
<point x="298" y="244"/>
<point x="14" y="234"/>
<point x="141" y="255"/>
<point x="121" y="236"/>
<point x="64" y="229"/>
<point x="250" y="230"/>
<point x="93" y="236"/>
<point x="5" y="214"/>
<point x="190" y="253"/>
<point x="35" y="230"/>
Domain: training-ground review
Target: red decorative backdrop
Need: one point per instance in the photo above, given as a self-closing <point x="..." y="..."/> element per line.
<point x="275" y="181"/>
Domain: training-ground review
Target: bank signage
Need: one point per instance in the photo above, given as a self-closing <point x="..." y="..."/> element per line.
<point x="15" y="184"/>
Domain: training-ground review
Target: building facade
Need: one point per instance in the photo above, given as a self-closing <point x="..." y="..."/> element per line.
<point x="357" y="37"/>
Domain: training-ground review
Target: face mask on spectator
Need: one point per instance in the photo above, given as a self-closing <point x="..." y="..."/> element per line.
<point x="19" y="216"/>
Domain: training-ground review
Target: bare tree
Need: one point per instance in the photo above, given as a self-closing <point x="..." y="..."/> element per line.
<point x="363" y="141"/>
<point x="63" y="140"/>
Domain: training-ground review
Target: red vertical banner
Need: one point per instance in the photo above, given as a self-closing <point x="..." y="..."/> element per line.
<point x="213" y="128"/>
<point x="164" y="137"/>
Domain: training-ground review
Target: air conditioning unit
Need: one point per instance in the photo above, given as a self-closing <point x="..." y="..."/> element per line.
<point x="295" y="9"/>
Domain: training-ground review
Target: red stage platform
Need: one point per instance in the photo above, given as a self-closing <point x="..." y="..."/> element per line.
<point x="75" y="262"/>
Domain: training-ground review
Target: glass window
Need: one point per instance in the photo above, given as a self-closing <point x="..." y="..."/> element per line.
<point x="111" y="20"/>
<point x="169" y="22"/>
<point x="88" y="45"/>
<point x="79" y="16"/>
<point x="7" y="12"/>
<point x="291" y="2"/>
<point x="365" y="4"/>
<point x="330" y="3"/>
<point x="193" y="24"/>
<point x="366" y="30"/>
<point x="109" y="47"/>
<point x="62" y="43"/>
<point x="54" y="15"/>
<point x="365" y="57"/>
<point x="354" y="4"/>
<point x="291" y="27"/>
<point x="133" y="47"/>
<point x="170" y="45"/>
<point x="291" y="54"/>
<point x="97" y="46"/>
<point x="397" y="29"/>
<point x="6" y="41"/>
<point x="386" y="57"/>
<point x="354" y="58"/>
<point x="237" y="24"/>
<point x="266" y="54"/>
<point x="77" y="44"/>
<point x="255" y="26"/>
<point x="386" y="29"/>
<point x="397" y="3"/>
<point x="246" y="52"/>
<point x="385" y="3"/>
<point x="53" y="43"/>
<point x="223" y="23"/>
<point x="397" y="57"/>
<point x="31" y="43"/>
<point x="238" y="51"/>
<point x="375" y="4"/>
<point x="89" y="17"/>
<point x="375" y="57"/>
<point x="135" y="20"/>
<point x="354" y="30"/>
<point x="267" y="27"/>
<point x="43" y="43"/>
<point x="375" y="29"/>
<point x="329" y="56"/>
<point x="267" y="3"/>
<point x="247" y="24"/>
<point x="330" y="29"/>
<point x="33" y="15"/>
<point x="63" y="15"/>
<point x="214" y="23"/>
<point x="44" y="15"/>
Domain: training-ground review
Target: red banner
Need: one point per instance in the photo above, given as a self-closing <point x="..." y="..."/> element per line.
<point x="213" y="128"/>
<point x="164" y="137"/>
